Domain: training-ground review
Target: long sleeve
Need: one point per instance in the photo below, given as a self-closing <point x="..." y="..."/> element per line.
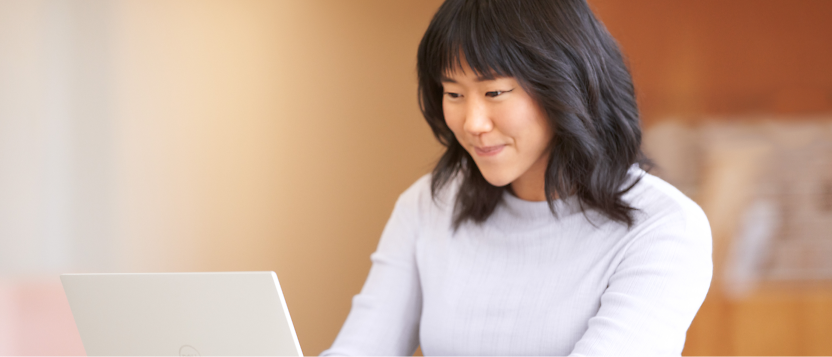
<point x="384" y="319"/>
<point x="655" y="292"/>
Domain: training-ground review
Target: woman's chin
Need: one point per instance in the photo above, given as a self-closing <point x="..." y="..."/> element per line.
<point x="497" y="180"/>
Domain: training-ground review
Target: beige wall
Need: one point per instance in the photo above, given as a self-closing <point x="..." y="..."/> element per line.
<point x="267" y="135"/>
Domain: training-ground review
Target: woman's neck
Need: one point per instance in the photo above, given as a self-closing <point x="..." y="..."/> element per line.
<point x="531" y="186"/>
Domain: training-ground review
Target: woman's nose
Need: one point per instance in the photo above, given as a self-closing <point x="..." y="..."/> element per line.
<point x="477" y="119"/>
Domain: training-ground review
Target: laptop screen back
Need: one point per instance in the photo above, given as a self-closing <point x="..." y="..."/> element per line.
<point x="237" y="313"/>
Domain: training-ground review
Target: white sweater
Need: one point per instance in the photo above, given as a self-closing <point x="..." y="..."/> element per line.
<point x="528" y="283"/>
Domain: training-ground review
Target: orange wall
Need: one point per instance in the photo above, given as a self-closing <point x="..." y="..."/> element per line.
<point x="713" y="57"/>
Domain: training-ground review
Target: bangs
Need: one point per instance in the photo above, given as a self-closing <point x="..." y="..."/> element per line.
<point x="474" y="34"/>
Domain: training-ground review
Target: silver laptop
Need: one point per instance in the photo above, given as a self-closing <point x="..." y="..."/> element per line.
<point x="181" y="314"/>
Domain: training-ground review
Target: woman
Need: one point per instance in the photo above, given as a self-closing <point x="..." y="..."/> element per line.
<point x="537" y="232"/>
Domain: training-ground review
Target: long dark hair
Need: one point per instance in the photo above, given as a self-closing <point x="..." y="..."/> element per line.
<point x="565" y="58"/>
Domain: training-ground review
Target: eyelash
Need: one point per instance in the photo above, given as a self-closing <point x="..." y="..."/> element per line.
<point x="497" y="92"/>
<point x="491" y="94"/>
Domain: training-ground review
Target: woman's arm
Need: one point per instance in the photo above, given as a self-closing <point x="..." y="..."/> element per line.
<point x="384" y="319"/>
<point x="654" y="293"/>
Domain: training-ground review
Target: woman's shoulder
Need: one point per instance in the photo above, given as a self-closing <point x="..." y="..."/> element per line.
<point x="419" y="196"/>
<point x="657" y="200"/>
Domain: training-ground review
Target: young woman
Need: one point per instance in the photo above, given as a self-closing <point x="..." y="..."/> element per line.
<point x="537" y="233"/>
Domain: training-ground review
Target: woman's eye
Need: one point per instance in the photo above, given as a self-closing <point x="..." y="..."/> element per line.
<point x="495" y="93"/>
<point x="452" y="95"/>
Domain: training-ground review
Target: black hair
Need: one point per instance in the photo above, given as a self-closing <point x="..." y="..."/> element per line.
<point x="571" y="66"/>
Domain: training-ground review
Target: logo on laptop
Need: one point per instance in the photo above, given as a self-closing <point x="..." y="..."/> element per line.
<point x="188" y="351"/>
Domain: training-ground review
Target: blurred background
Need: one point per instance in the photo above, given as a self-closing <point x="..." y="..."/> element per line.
<point x="156" y="136"/>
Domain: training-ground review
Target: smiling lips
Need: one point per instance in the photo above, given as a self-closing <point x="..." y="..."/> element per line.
<point x="488" y="150"/>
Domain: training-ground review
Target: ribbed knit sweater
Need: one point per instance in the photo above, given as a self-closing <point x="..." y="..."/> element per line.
<point x="527" y="282"/>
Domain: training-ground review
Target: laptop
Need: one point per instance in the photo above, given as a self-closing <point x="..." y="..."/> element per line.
<point x="181" y="314"/>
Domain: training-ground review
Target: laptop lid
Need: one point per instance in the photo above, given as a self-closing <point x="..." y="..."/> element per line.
<point x="186" y="314"/>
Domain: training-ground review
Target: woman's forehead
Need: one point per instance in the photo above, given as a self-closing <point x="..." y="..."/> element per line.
<point x="459" y="65"/>
<point x="452" y="74"/>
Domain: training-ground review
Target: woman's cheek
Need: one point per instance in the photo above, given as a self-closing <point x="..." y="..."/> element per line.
<point x="453" y="120"/>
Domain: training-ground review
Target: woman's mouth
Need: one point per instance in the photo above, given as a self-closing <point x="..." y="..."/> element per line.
<point x="488" y="150"/>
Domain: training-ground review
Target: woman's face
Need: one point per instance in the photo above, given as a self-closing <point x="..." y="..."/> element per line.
<point x="501" y="126"/>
